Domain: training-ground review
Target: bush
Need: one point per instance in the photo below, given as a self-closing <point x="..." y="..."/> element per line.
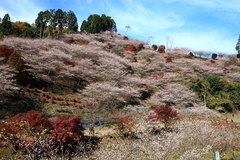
<point x="200" y="86"/>
<point x="124" y="124"/>
<point x="40" y="137"/>
<point x="5" y="51"/>
<point x="154" y="47"/>
<point x="168" y="59"/>
<point x="15" y="60"/>
<point x="161" y="49"/>
<point x="131" y="48"/>
<point x="216" y="84"/>
<point x="164" y="114"/>
<point x="220" y="104"/>
<point x="140" y="47"/>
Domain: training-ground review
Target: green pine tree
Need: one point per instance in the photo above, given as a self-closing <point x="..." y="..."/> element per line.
<point x="6" y="26"/>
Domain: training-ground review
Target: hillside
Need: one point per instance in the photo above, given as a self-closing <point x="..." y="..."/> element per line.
<point x="96" y="75"/>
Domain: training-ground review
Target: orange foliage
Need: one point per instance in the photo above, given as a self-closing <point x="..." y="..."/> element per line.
<point x="131" y="48"/>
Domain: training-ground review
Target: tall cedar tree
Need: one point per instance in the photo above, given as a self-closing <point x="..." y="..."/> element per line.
<point x="6" y="26"/>
<point x="72" y="21"/>
<point x="53" y="19"/>
<point x="60" y="19"/>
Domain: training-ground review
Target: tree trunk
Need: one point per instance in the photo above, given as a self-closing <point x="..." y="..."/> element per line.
<point x="42" y="31"/>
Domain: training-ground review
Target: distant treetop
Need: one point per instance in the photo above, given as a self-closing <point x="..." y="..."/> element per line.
<point x="96" y="23"/>
<point x="59" y="19"/>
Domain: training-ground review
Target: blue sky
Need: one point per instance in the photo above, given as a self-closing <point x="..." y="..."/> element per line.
<point x="208" y="25"/>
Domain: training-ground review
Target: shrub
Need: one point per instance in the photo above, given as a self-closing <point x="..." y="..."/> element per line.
<point x="214" y="56"/>
<point x="238" y="55"/>
<point x="15" y="60"/>
<point x="216" y="84"/>
<point x="140" y="47"/>
<point x="164" y="114"/>
<point x="5" y="51"/>
<point x="220" y="104"/>
<point x="161" y="49"/>
<point x="40" y="137"/>
<point x="169" y="59"/>
<point x="12" y="57"/>
<point x="125" y="124"/>
<point x="125" y="38"/>
<point x="154" y="47"/>
<point x="131" y="48"/>
<point x="68" y="130"/>
<point x="200" y="86"/>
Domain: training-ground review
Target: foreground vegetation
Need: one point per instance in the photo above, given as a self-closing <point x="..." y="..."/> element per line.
<point x="120" y="86"/>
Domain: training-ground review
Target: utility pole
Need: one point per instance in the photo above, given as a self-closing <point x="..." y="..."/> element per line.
<point x="205" y="104"/>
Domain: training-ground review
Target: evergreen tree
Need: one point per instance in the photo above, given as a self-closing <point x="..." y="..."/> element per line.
<point x="6" y="26"/>
<point x="72" y="21"/>
<point x="96" y="24"/>
<point x="60" y="19"/>
<point x="42" y="21"/>
<point x="238" y="45"/>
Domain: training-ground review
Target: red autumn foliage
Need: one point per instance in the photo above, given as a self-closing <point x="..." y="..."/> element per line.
<point x="164" y="114"/>
<point x="12" y="56"/>
<point x="131" y="48"/>
<point x="125" y="124"/>
<point x="227" y="123"/>
<point x="169" y="59"/>
<point x="33" y="131"/>
<point x="15" y="60"/>
<point x="5" y="51"/>
<point x="161" y="49"/>
<point x="67" y="129"/>
<point x="160" y="75"/>
<point x="35" y="120"/>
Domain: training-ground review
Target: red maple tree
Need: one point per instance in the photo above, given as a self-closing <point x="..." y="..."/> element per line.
<point x="164" y="114"/>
